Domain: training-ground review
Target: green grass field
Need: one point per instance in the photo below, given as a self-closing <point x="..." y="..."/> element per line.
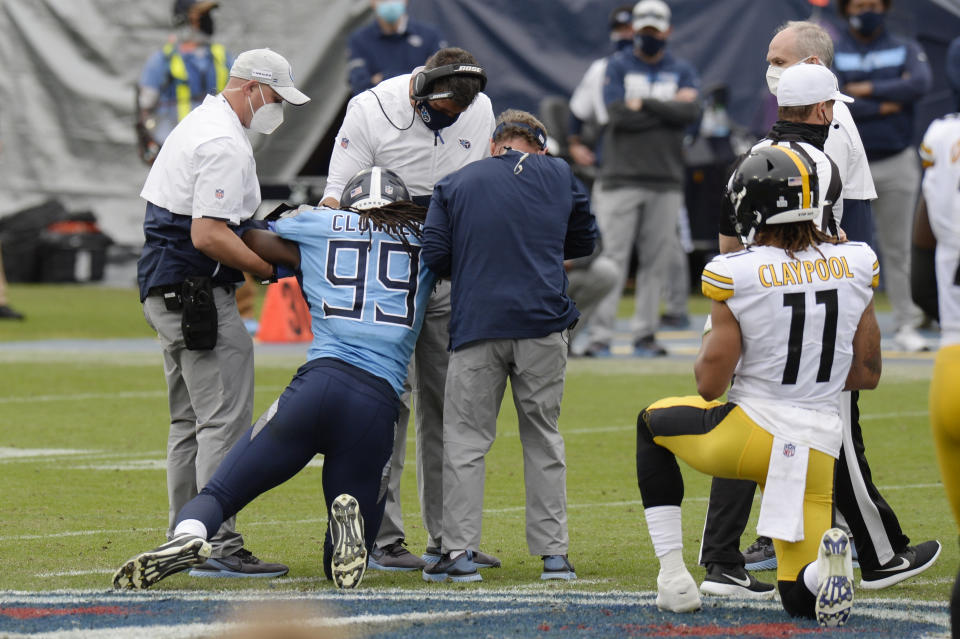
<point x="69" y="518"/>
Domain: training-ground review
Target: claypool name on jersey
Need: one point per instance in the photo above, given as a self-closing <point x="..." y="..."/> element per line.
<point x="786" y="273"/>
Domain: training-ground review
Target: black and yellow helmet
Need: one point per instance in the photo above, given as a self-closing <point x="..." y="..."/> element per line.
<point x="773" y="185"/>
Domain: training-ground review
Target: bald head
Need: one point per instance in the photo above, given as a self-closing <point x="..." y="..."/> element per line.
<point x="800" y="40"/>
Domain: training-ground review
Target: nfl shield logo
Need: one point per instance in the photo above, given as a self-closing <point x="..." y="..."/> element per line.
<point x="218" y="194"/>
<point x="465" y="143"/>
<point x="344" y="141"/>
<point x="789" y="450"/>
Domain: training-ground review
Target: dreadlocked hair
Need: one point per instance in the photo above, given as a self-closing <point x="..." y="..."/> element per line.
<point x="396" y="219"/>
<point x="794" y="237"/>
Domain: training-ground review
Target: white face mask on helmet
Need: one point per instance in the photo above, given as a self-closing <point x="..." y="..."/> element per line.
<point x="268" y="117"/>
<point x="774" y="73"/>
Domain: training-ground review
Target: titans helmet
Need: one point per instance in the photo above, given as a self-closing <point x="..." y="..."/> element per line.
<point x="373" y="187"/>
<point x="773" y="185"/>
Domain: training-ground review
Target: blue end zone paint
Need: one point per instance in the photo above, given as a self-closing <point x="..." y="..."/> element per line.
<point x="443" y="612"/>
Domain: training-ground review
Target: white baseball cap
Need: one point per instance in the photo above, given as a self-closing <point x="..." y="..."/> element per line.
<point x="270" y="68"/>
<point x="804" y="84"/>
<point x="651" y="13"/>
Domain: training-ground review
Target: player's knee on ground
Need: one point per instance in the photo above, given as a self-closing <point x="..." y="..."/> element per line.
<point x="796" y="599"/>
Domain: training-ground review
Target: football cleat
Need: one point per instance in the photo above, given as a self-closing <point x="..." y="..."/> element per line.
<point x="349" y="560"/>
<point x="148" y="568"/>
<point x="835" y="576"/>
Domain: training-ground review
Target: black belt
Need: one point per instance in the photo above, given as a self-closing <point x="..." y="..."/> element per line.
<point x="165" y="289"/>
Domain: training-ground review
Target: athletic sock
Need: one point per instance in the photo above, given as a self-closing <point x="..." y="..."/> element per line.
<point x="810" y="577"/>
<point x="190" y="527"/>
<point x="663" y="524"/>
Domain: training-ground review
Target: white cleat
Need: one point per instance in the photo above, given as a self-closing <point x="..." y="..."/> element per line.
<point x="835" y="576"/>
<point x="677" y="592"/>
<point x="148" y="568"/>
<point x="349" y="559"/>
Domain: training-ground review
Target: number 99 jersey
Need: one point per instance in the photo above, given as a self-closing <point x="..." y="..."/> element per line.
<point x="797" y="320"/>
<point x="367" y="292"/>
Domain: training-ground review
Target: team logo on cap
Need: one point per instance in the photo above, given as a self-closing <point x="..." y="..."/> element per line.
<point x="218" y="194"/>
<point x="266" y="76"/>
<point x="465" y="143"/>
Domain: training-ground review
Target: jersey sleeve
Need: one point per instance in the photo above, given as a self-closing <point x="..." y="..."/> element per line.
<point x="928" y="146"/>
<point x="716" y="282"/>
<point x="219" y="189"/>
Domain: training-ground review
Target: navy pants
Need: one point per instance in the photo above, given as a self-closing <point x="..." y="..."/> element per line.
<point x="329" y="407"/>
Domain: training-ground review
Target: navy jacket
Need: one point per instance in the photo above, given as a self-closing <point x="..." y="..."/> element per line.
<point x="370" y="51"/>
<point x="500" y="228"/>
<point x="899" y="71"/>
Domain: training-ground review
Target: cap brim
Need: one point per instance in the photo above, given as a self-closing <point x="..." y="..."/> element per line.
<point x="291" y="95"/>
<point x="843" y="97"/>
<point x="205" y="5"/>
<point x="659" y="25"/>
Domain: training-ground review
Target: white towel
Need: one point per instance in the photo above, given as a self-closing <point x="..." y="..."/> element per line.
<point x="781" y="509"/>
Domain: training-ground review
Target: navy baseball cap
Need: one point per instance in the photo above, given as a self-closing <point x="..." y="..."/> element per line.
<point x="622" y="16"/>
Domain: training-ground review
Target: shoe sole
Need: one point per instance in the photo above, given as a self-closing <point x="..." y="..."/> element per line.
<point x="566" y="575"/>
<point x="349" y="558"/>
<point x="374" y="565"/>
<point x="835" y="595"/>
<point x="886" y="582"/>
<point x="226" y="573"/>
<point x="443" y="576"/>
<point x="717" y="589"/>
<point x="765" y="564"/>
<point x="148" y="568"/>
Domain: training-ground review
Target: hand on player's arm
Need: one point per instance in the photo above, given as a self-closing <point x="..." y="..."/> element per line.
<point x="273" y="248"/>
<point x="719" y="353"/>
<point x="216" y="240"/>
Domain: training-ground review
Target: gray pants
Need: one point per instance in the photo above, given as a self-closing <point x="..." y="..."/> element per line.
<point x="427" y="376"/>
<point x="211" y="404"/>
<point x="629" y="216"/>
<point x="897" y="179"/>
<point x="476" y="381"/>
<point x="588" y="286"/>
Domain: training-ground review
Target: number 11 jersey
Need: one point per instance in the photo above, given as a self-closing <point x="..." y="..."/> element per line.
<point x="797" y="320"/>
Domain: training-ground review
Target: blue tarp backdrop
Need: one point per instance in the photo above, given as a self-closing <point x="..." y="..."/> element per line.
<point x="535" y="48"/>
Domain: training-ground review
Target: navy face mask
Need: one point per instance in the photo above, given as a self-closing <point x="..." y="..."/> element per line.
<point x="868" y="22"/>
<point x="649" y="45"/>
<point x="434" y="119"/>
<point x="206" y="23"/>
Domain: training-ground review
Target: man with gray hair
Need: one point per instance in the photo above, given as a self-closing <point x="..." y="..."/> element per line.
<point x="884" y="552"/>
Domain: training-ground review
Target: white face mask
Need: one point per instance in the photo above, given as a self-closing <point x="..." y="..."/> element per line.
<point x="268" y="117"/>
<point x="774" y="73"/>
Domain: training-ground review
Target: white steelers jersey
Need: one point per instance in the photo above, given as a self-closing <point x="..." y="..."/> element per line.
<point x="797" y="319"/>
<point x="940" y="153"/>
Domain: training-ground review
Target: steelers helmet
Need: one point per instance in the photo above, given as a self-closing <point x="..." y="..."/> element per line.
<point x="773" y="185"/>
<point x="373" y="187"/>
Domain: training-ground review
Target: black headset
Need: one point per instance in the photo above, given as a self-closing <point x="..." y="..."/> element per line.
<point x="423" y="80"/>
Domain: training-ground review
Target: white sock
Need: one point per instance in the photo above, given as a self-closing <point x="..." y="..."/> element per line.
<point x="811" y="577"/>
<point x="663" y="524"/>
<point x="190" y="527"/>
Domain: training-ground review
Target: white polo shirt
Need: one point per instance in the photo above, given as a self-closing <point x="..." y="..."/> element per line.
<point x="845" y="148"/>
<point x="206" y="167"/>
<point x="381" y="129"/>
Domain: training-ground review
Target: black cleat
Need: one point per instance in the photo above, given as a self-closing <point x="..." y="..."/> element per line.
<point x="733" y="581"/>
<point x="906" y="564"/>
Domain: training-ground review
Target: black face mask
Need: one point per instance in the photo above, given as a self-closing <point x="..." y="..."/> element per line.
<point x="623" y="44"/>
<point x="868" y="22"/>
<point x="434" y="119"/>
<point x="206" y="23"/>
<point x="649" y="45"/>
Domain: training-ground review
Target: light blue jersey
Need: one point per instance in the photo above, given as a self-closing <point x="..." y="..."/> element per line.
<point x="367" y="297"/>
